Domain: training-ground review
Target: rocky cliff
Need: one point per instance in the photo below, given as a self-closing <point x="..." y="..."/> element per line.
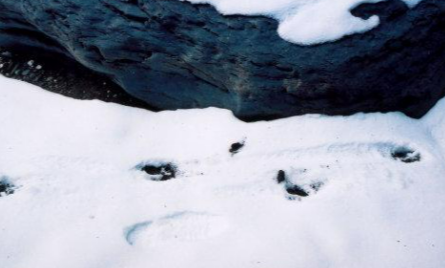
<point x="173" y="54"/>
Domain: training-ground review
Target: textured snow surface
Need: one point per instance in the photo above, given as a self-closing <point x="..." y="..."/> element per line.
<point x="79" y="201"/>
<point x="305" y="22"/>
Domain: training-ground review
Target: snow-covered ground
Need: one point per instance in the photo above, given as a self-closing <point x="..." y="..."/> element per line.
<point x="305" y="22"/>
<point x="81" y="201"/>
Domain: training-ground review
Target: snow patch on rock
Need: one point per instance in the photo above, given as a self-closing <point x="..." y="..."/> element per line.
<point x="305" y="22"/>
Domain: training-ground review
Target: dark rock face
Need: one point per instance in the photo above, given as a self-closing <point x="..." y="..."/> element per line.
<point x="173" y="54"/>
<point x="60" y="74"/>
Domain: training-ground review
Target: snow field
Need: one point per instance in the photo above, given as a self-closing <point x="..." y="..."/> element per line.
<point x="82" y="201"/>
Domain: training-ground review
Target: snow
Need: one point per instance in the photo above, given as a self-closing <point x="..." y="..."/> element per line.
<point x="305" y="22"/>
<point x="80" y="201"/>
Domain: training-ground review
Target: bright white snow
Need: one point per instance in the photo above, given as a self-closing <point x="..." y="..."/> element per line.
<point x="80" y="202"/>
<point x="305" y="22"/>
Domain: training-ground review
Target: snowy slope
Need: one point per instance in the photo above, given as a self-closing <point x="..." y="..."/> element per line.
<point x="305" y="22"/>
<point x="80" y="202"/>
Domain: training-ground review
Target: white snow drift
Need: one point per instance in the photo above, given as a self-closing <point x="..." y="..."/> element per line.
<point x="305" y="22"/>
<point x="79" y="201"/>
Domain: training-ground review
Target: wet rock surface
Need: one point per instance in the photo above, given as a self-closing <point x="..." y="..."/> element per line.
<point x="172" y="54"/>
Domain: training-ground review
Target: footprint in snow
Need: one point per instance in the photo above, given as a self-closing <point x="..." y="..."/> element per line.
<point x="159" y="170"/>
<point x="300" y="186"/>
<point x="405" y="154"/>
<point x="389" y="150"/>
<point x="6" y="186"/>
<point x="354" y="151"/>
<point x="237" y="147"/>
<point x="178" y="227"/>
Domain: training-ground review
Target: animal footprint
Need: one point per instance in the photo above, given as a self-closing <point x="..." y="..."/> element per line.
<point x="405" y="154"/>
<point x="6" y="187"/>
<point x="386" y="149"/>
<point x="159" y="170"/>
<point x="236" y="147"/>
<point x="299" y="186"/>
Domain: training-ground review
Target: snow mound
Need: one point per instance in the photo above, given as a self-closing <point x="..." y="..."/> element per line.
<point x="308" y="191"/>
<point x="305" y="22"/>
